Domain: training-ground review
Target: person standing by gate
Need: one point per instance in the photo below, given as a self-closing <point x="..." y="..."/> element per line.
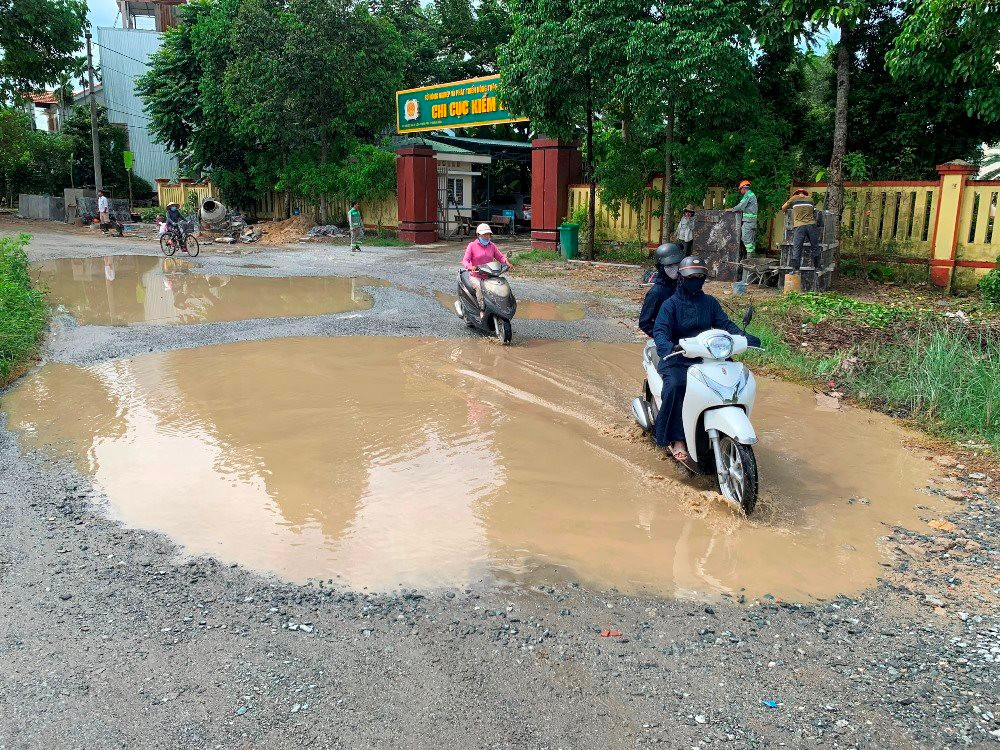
<point x="685" y="229"/>
<point x="748" y="206"/>
<point x="356" y="226"/>
<point x="803" y="227"/>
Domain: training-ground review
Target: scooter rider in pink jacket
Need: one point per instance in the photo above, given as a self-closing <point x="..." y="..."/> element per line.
<point x="480" y="251"/>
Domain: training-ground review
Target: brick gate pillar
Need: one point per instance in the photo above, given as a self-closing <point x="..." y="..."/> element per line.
<point x="555" y="166"/>
<point x="944" y="245"/>
<point x="416" y="193"/>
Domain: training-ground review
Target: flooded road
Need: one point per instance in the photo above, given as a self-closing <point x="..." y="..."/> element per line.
<point x="530" y="309"/>
<point x="124" y="289"/>
<point x="389" y="462"/>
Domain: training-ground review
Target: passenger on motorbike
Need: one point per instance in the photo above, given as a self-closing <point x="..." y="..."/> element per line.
<point x="668" y="258"/>
<point x="481" y="251"/>
<point x="687" y="313"/>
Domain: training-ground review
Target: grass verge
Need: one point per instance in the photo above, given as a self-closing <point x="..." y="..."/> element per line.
<point x="534" y="256"/>
<point x="941" y="373"/>
<point x="22" y="309"/>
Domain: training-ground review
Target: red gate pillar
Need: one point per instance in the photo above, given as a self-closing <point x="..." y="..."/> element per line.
<point x="555" y="166"/>
<point x="416" y="193"/>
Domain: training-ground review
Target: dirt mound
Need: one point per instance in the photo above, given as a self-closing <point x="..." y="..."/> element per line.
<point x="285" y="232"/>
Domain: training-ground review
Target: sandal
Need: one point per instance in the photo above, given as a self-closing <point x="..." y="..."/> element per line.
<point x="679" y="454"/>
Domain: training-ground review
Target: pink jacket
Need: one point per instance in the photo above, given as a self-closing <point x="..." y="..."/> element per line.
<point x="477" y="254"/>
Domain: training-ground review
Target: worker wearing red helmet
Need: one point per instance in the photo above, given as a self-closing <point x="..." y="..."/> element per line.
<point x="748" y="207"/>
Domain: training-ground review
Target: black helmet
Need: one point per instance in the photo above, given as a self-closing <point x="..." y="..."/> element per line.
<point x="669" y="254"/>
<point x="693" y="266"/>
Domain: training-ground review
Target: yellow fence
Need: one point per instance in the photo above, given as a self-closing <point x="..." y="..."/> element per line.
<point x="179" y="192"/>
<point x="629" y="225"/>
<point x="906" y="222"/>
<point x="382" y="213"/>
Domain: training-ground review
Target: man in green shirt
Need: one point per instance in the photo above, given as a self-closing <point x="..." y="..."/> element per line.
<point x="357" y="227"/>
<point x="748" y="207"/>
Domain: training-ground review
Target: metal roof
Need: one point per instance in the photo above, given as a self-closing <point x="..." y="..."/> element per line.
<point x="441" y="148"/>
<point x="483" y="145"/>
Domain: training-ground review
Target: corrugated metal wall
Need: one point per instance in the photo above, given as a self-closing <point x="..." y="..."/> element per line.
<point x="124" y="53"/>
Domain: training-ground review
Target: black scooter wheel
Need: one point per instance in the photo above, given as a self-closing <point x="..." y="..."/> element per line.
<point x="503" y="330"/>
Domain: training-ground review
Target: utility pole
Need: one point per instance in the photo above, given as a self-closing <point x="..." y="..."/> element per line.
<point x="98" y="180"/>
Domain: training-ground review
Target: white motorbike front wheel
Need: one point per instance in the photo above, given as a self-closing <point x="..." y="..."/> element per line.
<point x="737" y="477"/>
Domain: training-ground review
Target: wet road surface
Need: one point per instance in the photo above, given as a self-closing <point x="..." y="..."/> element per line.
<point x="390" y="462"/>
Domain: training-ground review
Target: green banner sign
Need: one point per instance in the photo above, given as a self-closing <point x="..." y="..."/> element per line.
<point x="460" y="104"/>
<point x="127" y="156"/>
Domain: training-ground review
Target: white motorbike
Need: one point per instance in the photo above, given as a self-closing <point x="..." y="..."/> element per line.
<point x="716" y="412"/>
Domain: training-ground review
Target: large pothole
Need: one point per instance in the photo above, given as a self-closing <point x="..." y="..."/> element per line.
<point x="389" y="462"/>
<point x="124" y="289"/>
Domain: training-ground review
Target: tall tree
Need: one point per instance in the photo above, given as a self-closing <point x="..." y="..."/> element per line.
<point x="806" y="20"/>
<point x="39" y="40"/>
<point x="686" y="59"/>
<point x="547" y="76"/>
<point x="956" y="43"/>
<point x="113" y="140"/>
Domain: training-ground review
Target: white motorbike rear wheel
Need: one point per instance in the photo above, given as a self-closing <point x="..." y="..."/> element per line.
<point x="740" y="465"/>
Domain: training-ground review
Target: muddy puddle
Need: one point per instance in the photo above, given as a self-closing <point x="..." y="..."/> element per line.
<point x="389" y="462"/>
<point x="124" y="289"/>
<point x="530" y="309"/>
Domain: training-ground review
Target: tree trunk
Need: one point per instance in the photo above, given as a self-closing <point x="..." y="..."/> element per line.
<point x="668" y="180"/>
<point x="835" y="189"/>
<point x="592" y="203"/>
<point x="323" y="151"/>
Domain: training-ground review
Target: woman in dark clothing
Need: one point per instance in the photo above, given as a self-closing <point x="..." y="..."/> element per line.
<point x="668" y="257"/>
<point x="687" y="313"/>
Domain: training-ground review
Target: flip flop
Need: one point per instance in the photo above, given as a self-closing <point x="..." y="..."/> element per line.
<point x="680" y="454"/>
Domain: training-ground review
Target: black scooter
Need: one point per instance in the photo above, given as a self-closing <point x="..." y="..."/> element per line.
<point x="500" y="302"/>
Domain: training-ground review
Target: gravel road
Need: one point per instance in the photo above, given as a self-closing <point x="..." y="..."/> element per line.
<point x="110" y="637"/>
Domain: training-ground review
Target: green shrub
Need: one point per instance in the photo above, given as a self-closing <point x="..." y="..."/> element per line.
<point x="22" y="307"/>
<point x="989" y="286"/>
<point x="149" y="213"/>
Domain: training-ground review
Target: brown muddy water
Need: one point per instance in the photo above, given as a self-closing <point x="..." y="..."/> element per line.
<point x="529" y="309"/>
<point x="124" y="289"/>
<point x="389" y="462"/>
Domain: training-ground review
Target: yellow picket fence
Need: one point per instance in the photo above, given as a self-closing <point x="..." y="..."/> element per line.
<point x="900" y="221"/>
<point x="384" y="213"/>
<point x="628" y="225"/>
<point x="178" y="192"/>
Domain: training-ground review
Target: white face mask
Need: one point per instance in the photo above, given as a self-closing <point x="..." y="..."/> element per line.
<point x="671" y="271"/>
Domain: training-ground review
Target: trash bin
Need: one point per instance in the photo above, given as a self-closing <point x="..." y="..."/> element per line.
<point x="569" y="240"/>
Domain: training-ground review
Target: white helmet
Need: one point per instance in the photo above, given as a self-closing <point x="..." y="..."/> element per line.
<point x="483" y="228"/>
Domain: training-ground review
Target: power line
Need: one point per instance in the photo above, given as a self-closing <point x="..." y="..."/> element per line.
<point x="119" y="52"/>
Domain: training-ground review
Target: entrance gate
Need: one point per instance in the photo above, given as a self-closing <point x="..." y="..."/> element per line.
<point x="466" y="104"/>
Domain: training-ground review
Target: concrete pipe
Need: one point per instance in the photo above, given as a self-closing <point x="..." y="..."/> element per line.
<point x="212" y="211"/>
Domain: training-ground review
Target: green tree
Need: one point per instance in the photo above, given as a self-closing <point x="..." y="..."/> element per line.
<point x="39" y="40"/>
<point x="15" y="152"/>
<point x="369" y="174"/>
<point x="955" y="43"/>
<point x="114" y="140"/>
<point x="688" y="61"/>
<point x="558" y="69"/>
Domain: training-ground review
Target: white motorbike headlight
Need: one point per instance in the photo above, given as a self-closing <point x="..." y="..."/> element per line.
<point x="720" y="347"/>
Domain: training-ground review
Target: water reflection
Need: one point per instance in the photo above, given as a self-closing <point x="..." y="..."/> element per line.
<point x="407" y="462"/>
<point x="124" y="289"/>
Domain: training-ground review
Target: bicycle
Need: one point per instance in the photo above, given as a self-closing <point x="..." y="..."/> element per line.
<point x="179" y="237"/>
